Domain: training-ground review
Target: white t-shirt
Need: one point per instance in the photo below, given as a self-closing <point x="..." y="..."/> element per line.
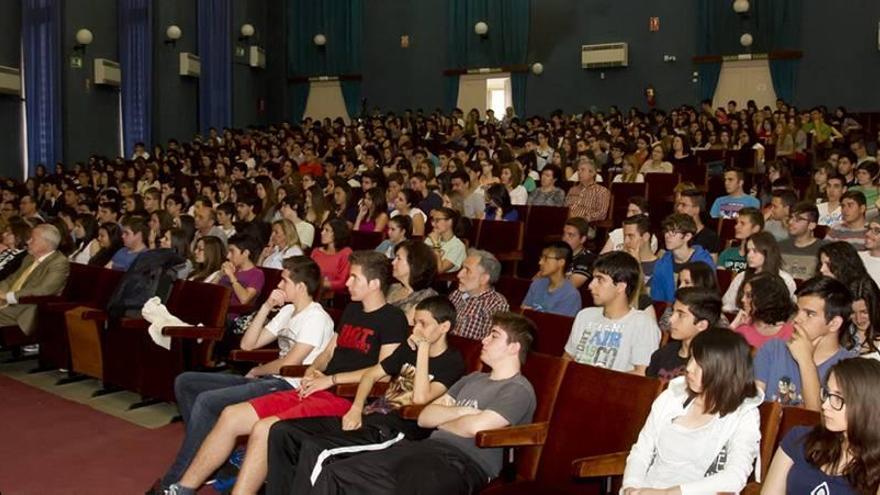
<point x="277" y="257"/>
<point x="519" y="195"/>
<point x="616" y="239"/>
<point x="872" y="264"/>
<point x="620" y="345"/>
<point x="312" y="326"/>
<point x="619" y="178"/>
<point x="413" y="213"/>
<point x="306" y="233"/>
<point x="829" y="218"/>
<point x="729" y="302"/>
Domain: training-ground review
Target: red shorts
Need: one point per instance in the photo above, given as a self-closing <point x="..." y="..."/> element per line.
<point x="289" y="405"/>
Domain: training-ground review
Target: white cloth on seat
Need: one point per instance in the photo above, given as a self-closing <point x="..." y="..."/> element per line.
<point x="157" y="314"/>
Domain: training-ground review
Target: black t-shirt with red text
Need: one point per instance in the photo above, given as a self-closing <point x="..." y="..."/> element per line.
<point x="360" y="335"/>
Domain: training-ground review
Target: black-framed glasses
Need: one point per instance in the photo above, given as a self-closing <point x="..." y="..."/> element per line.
<point x="438" y="219"/>
<point x="835" y="401"/>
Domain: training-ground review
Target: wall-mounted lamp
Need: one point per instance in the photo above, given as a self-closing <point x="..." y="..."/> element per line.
<point x="746" y="40"/>
<point x="741" y="6"/>
<point x="84" y="38"/>
<point x="172" y="34"/>
<point x="481" y="28"/>
<point x="319" y="40"/>
<point x="537" y="68"/>
<point x="247" y="31"/>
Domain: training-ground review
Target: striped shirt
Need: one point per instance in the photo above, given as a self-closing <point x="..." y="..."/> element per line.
<point x="856" y="237"/>
<point x="588" y="202"/>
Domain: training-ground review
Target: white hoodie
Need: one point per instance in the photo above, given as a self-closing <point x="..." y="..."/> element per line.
<point x="739" y="431"/>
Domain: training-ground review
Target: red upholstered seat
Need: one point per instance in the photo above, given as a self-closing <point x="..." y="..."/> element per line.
<point x="553" y="331"/>
<point x="597" y="411"/>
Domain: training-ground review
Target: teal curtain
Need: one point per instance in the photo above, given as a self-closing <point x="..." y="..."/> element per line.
<point x="773" y="24"/>
<point x="351" y="93"/>
<point x="518" y="82"/>
<point x="341" y="21"/>
<point x="451" y="92"/>
<point x="709" y="75"/>
<point x="784" y="75"/>
<point x="506" y="43"/>
<point x="299" y="96"/>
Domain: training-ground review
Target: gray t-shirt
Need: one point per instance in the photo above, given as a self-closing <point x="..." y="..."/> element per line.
<point x="512" y="398"/>
<point x="800" y="262"/>
<point x="474" y="204"/>
<point x="620" y="345"/>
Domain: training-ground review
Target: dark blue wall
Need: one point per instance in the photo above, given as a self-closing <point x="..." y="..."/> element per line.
<point x="175" y="98"/>
<point x="249" y="84"/>
<point x="90" y="115"/>
<point x="396" y="78"/>
<point x="10" y="106"/>
<point x="560" y="27"/>
<point x="841" y="64"/>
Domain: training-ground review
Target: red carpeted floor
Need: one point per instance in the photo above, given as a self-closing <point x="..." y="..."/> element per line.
<point x="49" y="445"/>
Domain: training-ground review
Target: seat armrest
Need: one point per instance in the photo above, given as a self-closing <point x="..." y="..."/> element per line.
<point x="40" y="299"/>
<point x="254" y="356"/>
<point x="412" y="411"/>
<point x="513" y="436"/>
<point x="600" y="466"/>
<point x="349" y="390"/>
<point x="294" y="371"/>
<point x="96" y="315"/>
<point x="134" y="323"/>
<point x="60" y="307"/>
<point x="187" y="332"/>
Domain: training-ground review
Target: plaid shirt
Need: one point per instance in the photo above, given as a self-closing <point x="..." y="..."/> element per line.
<point x="590" y="203"/>
<point x="474" y="313"/>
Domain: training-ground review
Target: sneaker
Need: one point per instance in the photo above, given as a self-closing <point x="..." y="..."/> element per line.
<point x="176" y="489"/>
<point x="30" y="350"/>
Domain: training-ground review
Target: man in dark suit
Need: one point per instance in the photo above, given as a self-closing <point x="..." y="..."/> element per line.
<point x="43" y="272"/>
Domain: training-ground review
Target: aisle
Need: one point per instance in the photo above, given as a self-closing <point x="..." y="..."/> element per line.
<point x="50" y="445"/>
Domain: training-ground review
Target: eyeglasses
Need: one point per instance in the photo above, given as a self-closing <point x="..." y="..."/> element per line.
<point x="873" y="230"/>
<point x="835" y="401"/>
<point x="438" y="219"/>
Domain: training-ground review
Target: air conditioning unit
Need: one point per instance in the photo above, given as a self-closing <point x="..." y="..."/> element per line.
<point x="107" y="72"/>
<point x="190" y="65"/>
<point x="604" y="55"/>
<point x="10" y="81"/>
<point x="257" y="57"/>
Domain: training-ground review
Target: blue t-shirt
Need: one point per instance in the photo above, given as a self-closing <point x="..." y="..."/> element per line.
<point x="566" y="300"/>
<point x="123" y="259"/>
<point x="805" y="478"/>
<point x="728" y="206"/>
<point x="775" y="366"/>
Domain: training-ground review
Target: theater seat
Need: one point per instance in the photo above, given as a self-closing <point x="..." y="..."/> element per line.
<point x="90" y="286"/>
<point x="597" y="411"/>
<point x="553" y="331"/>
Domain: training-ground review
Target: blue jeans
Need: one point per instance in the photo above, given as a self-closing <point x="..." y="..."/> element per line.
<point x="201" y="397"/>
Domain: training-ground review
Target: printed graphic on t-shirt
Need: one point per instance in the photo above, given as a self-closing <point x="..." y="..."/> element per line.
<point x="354" y="337"/>
<point x="670" y="374"/>
<point x="399" y="392"/>
<point x="822" y="489"/>
<point x="599" y="344"/>
<point x="786" y="392"/>
<point x="731" y="210"/>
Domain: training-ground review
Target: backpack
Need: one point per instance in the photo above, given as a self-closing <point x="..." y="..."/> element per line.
<point x="152" y="274"/>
